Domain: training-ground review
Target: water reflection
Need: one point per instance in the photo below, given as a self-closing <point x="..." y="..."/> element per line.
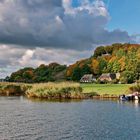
<point x="11" y="97"/>
<point x="55" y="100"/>
<point x="135" y="103"/>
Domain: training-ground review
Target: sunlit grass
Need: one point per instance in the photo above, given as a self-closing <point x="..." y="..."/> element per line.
<point x="106" y="89"/>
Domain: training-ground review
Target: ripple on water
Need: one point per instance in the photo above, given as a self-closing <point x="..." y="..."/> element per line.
<point x="86" y="120"/>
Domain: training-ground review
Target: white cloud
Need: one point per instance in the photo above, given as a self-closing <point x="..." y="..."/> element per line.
<point x="26" y="58"/>
<point x="97" y="8"/>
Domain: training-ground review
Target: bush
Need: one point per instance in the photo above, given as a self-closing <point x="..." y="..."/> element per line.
<point x="102" y="82"/>
<point x="11" y="89"/>
<point x="115" y="81"/>
<point x="135" y="88"/>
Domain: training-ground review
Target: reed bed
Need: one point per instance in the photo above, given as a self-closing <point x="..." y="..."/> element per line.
<point x="66" y="90"/>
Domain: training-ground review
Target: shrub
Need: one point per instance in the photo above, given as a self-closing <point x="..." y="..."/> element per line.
<point x="13" y="89"/>
<point x="135" y="88"/>
<point x="127" y="77"/>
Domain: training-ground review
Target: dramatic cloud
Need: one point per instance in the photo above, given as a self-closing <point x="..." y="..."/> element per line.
<point x="56" y="24"/>
<point x="33" y="32"/>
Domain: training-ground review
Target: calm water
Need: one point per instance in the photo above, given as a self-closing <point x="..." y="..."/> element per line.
<point x="82" y="120"/>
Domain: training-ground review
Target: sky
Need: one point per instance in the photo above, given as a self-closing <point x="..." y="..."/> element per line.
<point x="34" y="32"/>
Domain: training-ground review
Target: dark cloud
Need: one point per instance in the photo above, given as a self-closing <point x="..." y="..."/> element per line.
<point x="56" y="24"/>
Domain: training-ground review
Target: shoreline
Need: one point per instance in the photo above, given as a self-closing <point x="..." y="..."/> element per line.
<point x="62" y="90"/>
<point x="61" y="98"/>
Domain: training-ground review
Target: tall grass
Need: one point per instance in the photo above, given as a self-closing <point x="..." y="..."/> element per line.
<point x="67" y="90"/>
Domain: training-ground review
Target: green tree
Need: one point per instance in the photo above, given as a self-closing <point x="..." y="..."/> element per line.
<point x="109" y="49"/>
<point x="99" y="51"/>
<point x="116" y="67"/>
<point x="138" y="71"/>
<point x="102" y="65"/>
<point x="120" y="53"/>
<point x="85" y="70"/>
<point x="76" y="75"/>
<point x="127" y="77"/>
<point x="28" y="75"/>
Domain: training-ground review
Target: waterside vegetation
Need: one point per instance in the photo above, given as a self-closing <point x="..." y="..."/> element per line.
<point x="13" y="89"/>
<point x="67" y="90"/>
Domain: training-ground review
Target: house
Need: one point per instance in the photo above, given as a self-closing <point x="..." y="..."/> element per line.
<point x="118" y="75"/>
<point x="2" y="80"/>
<point x="107" y="77"/>
<point x="87" y="78"/>
<point x="106" y="54"/>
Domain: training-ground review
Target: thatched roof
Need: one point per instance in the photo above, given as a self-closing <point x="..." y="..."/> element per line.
<point x="107" y="76"/>
<point x="87" y="78"/>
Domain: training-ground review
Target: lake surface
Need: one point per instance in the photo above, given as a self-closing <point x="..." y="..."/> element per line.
<point x="21" y="118"/>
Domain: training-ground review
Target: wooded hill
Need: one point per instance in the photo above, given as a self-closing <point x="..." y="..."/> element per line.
<point x="116" y="58"/>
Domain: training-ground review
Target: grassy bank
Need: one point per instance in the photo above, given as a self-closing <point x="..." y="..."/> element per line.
<point x="106" y="89"/>
<point x="64" y="90"/>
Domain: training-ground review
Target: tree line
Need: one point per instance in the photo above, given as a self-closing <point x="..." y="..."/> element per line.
<point x="43" y="73"/>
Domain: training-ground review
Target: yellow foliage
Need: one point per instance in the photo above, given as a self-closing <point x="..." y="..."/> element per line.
<point x="122" y="63"/>
<point x="95" y="66"/>
<point x="112" y="59"/>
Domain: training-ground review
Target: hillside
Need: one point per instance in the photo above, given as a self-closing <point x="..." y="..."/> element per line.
<point x="116" y="58"/>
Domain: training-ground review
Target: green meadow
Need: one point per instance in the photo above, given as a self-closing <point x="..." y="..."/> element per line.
<point x="106" y="89"/>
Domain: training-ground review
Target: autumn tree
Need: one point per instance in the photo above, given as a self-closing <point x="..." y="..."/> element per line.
<point x="95" y="66"/>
